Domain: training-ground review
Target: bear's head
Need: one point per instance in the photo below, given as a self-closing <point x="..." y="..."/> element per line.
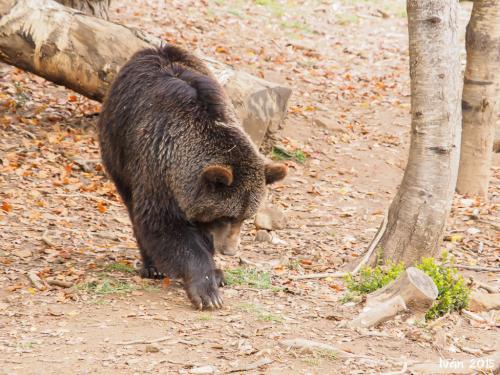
<point x="228" y="195"/>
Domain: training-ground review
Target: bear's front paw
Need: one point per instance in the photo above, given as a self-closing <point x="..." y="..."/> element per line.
<point x="203" y="290"/>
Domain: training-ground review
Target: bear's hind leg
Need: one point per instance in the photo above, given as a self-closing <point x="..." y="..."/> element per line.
<point x="147" y="270"/>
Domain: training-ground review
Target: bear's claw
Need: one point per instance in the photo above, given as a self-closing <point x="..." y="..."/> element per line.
<point x="150" y="273"/>
<point x="203" y="291"/>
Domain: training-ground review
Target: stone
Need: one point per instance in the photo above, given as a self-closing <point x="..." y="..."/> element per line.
<point x="152" y="349"/>
<point x="275" y="240"/>
<point x="270" y="218"/>
<point x="337" y="261"/>
<point x="263" y="236"/>
<point x="203" y="370"/>
<point x="22" y="253"/>
<point x="473" y="231"/>
<point x="484" y="302"/>
<point x="329" y="124"/>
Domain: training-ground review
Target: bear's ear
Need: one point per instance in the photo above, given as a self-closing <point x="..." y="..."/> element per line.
<point x="218" y="174"/>
<point x="275" y="172"/>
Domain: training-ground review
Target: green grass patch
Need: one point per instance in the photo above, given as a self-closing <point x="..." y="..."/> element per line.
<point x="204" y="317"/>
<point x="348" y="297"/>
<point x="106" y="284"/>
<point x="248" y="276"/>
<point x="370" y="279"/>
<point x="327" y="354"/>
<point x="27" y="345"/>
<point x="119" y="267"/>
<point x="21" y="96"/>
<point x="274" y="6"/>
<point x="279" y="153"/>
<point x="235" y="13"/>
<point x="318" y="356"/>
<point x="261" y="313"/>
<point x="453" y="295"/>
<point x="294" y="265"/>
<point x="297" y="26"/>
<point x="312" y="361"/>
<point x="347" y="19"/>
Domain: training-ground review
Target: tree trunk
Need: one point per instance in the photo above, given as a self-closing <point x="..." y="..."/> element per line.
<point x="418" y="213"/>
<point x="480" y="98"/>
<point x="84" y="54"/>
<point x="96" y="8"/>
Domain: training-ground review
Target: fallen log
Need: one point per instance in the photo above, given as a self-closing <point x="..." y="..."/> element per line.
<point x="96" y="8"/>
<point x="413" y="290"/>
<point x="84" y="53"/>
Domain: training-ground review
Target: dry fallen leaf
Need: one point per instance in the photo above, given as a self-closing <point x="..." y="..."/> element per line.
<point x="336" y="287"/>
<point x="165" y="283"/>
<point x="221" y="49"/>
<point x="101" y="207"/>
<point x="6" y="206"/>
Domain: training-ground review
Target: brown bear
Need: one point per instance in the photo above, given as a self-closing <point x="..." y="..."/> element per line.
<point x="183" y="166"/>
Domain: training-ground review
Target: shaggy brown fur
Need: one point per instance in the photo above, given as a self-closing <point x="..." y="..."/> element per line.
<point x="182" y="164"/>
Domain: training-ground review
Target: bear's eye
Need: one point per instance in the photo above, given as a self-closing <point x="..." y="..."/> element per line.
<point x="216" y="186"/>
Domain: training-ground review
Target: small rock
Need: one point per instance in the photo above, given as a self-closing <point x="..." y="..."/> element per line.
<point x="350" y="239"/>
<point x="275" y="240"/>
<point x="152" y="349"/>
<point x="263" y="236"/>
<point x="330" y="124"/>
<point x="203" y="370"/>
<point x="22" y="253"/>
<point x="467" y="202"/>
<point x="337" y="261"/>
<point x="34" y="194"/>
<point x="54" y="311"/>
<point x="473" y="231"/>
<point x="484" y="302"/>
<point x="132" y="361"/>
<point x="270" y="218"/>
<point x="36" y="281"/>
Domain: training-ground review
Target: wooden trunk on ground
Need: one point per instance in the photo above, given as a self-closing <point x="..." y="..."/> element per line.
<point x="481" y="97"/>
<point x="84" y="54"/>
<point x="96" y="8"/>
<point x="418" y="213"/>
<point x="413" y="290"/>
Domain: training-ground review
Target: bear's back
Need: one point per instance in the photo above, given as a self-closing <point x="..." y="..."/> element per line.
<point x="164" y="111"/>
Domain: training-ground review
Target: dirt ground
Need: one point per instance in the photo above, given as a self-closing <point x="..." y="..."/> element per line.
<point x="61" y="218"/>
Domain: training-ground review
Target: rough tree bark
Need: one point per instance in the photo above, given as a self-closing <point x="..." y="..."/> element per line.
<point x="84" y="54"/>
<point x="418" y="213"/>
<point x="96" y="8"/>
<point x="480" y="98"/>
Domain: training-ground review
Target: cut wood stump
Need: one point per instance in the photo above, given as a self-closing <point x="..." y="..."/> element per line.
<point x="413" y="290"/>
